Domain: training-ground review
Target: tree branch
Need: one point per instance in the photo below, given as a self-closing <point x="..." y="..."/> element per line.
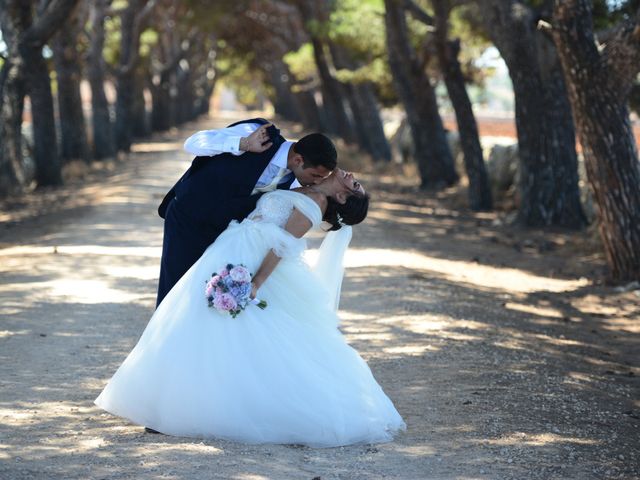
<point x="418" y="13"/>
<point x="146" y="10"/>
<point x="620" y="56"/>
<point x="622" y="53"/>
<point x="49" y="22"/>
<point x="114" y="12"/>
<point x="138" y="21"/>
<point x="4" y="72"/>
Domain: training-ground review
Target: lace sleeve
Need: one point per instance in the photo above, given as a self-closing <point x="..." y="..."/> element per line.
<point x="282" y="242"/>
<point x="308" y="208"/>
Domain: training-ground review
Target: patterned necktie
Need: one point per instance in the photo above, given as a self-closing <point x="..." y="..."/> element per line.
<point x="273" y="184"/>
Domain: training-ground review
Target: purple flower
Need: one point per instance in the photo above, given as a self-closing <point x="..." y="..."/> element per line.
<point x="227" y="282"/>
<point x="240" y="291"/>
<point x="229" y="289"/>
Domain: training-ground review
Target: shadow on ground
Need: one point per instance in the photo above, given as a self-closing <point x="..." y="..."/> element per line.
<point x="504" y="362"/>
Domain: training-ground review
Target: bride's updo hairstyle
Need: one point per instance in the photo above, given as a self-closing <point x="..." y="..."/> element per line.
<point x="352" y="212"/>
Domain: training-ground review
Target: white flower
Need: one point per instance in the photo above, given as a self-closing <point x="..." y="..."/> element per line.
<point x="240" y="274"/>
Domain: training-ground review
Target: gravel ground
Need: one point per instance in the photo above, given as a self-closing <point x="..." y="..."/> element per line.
<point x="505" y="361"/>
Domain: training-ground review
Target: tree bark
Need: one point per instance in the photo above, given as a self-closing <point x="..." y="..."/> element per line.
<point x="332" y="95"/>
<point x="312" y="117"/>
<point x="546" y="138"/>
<point x="184" y="95"/>
<point x="599" y="82"/>
<point x="131" y="20"/>
<point x="418" y="97"/>
<point x="140" y="124"/>
<point x="12" y="92"/>
<point x="364" y="106"/>
<point x="26" y="37"/>
<point x="448" y="51"/>
<point x="283" y="99"/>
<point x="124" y="79"/>
<point x="103" y="136"/>
<point x="45" y="142"/>
<point x="69" y="74"/>
<point x="167" y="81"/>
<point x="161" y="86"/>
<point x="333" y="98"/>
<point x="161" y="104"/>
<point x="205" y="80"/>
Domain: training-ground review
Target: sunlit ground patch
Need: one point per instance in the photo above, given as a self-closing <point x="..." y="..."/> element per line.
<point x="508" y="279"/>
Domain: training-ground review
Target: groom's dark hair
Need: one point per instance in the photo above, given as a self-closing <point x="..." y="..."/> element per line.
<point x="317" y="149"/>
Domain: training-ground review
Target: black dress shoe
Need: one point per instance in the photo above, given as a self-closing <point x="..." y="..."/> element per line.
<point x="151" y="430"/>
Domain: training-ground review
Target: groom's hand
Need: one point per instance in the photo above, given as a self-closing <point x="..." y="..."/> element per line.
<point x="257" y="142"/>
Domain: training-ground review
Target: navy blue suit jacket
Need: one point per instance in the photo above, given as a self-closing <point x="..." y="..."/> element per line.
<point x="212" y="192"/>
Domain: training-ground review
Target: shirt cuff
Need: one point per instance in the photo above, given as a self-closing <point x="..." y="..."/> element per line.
<point x="232" y="145"/>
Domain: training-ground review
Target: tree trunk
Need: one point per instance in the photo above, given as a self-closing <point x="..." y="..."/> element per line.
<point x="45" y="142"/>
<point x="25" y="38"/>
<point x="418" y="97"/>
<point x="160" y="117"/>
<point x="546" y="138"/>
<point x="140" y="125"/>
<point x="130" y="29"/>
<point x="184" y="96"/>
<point x="599" y="83"/>
<point x="364" y="106"/>
<point x="479" y="188"/>
<point x="332" y="95"/>
<point x="103" y="137"/>
<point x="163" y="84"/>
<point x="312" y="116"/>
<point x="205" y="83"/>
<point x="125" y="82"/>
<point x="314" y="14"/>
<point x="68" y="71"/>
<point x="284" y="102"/>
<point x="12" y="92"/>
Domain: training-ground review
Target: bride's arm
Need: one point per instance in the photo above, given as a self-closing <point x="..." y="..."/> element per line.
<point x="297" y="225"/>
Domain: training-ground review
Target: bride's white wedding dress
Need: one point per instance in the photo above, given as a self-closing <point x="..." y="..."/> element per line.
<point x="280" y="375"/>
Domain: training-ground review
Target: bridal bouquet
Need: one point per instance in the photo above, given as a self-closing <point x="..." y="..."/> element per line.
<point x="229" y="290"/>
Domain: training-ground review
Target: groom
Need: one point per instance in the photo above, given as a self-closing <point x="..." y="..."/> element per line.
<point x="233" y="167"/>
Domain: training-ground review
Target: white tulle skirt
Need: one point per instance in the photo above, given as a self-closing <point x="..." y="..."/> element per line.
<point x="280" y="375"/>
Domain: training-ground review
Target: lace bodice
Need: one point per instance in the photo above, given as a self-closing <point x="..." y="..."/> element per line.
<point x="276" y="207"/>
<point x="273" y="209"/>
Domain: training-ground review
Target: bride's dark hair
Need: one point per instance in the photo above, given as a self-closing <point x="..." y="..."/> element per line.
<point x="352" y="212"/>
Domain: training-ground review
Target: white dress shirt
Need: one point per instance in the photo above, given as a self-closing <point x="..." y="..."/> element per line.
<point x="207" y="143"/>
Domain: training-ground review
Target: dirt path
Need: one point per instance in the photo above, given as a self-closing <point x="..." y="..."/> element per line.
<point x="505" y="362"/>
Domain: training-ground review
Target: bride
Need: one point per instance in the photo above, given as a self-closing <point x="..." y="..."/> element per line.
<point x="280" y="375"/>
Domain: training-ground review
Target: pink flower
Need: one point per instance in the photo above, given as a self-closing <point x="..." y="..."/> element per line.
<point x="223" y="273"/>
<point x="224" y="302"/>
<point x="214" y="280"/>
<point x="209" y="290"/>
<point x="240" y="274"/>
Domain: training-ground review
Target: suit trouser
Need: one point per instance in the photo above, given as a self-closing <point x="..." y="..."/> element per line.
<point x="183" y="244"/>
